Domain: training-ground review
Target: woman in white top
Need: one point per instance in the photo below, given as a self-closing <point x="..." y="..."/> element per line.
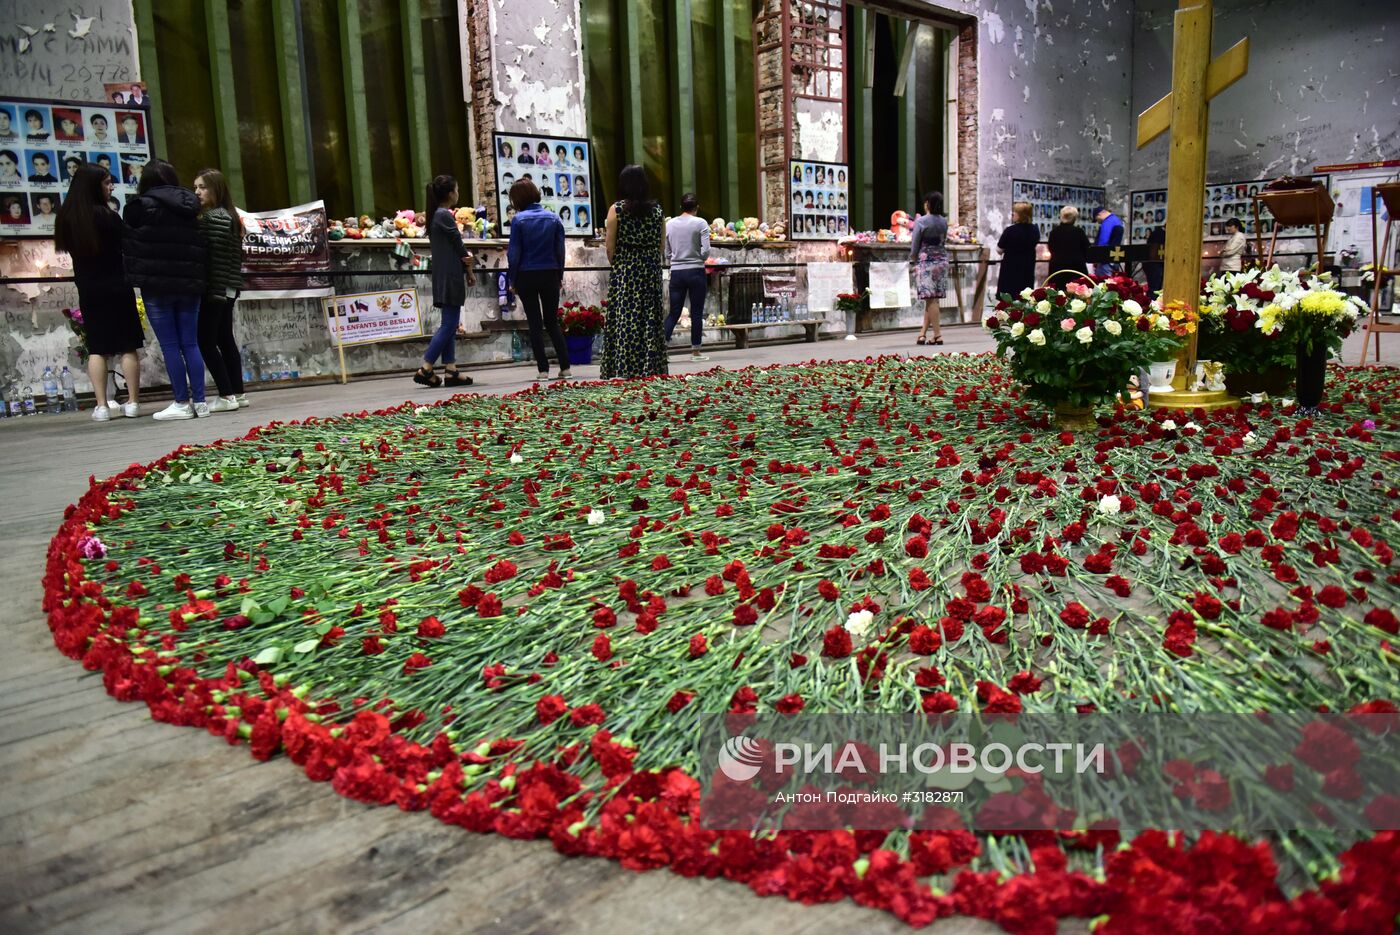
<point x="1232" y="254"/>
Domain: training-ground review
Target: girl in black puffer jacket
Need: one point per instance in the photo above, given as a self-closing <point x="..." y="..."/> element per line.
<point x="165" y="258"/>
<point x="223" y="238"/>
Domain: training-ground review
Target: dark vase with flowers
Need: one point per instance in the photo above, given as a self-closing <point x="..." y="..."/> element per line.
<point x="1312" y="374"/>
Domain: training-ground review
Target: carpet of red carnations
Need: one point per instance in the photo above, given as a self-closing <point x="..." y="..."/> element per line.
<point x="508" y="612"/>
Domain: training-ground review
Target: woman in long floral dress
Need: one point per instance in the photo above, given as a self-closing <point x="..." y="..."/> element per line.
<point x="634" y="334"/>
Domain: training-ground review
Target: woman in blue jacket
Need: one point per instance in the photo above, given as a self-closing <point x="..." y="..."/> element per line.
<point x="536" y="270"/>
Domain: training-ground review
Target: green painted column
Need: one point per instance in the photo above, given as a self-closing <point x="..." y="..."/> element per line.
<point x="682" y="142"/>
<point x="904" y="123"/>
<point x="727" y="136"/>
<point x="291" y="92"/>
<point x="356" y="111"/>
<point x="415" y="80"/>
<point x="630" y="60"/>
<point x="225" y="96"/>
<point x="860" y="144"/>
<point x="150" y="71"/>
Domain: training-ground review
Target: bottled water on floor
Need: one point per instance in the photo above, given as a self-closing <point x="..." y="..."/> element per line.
<point x="30" y="407"/>
<point x="52" y="404"/>
<point x="247" y="365"/>
<point x="68" y="390"/>
<point x="14" y="402"/>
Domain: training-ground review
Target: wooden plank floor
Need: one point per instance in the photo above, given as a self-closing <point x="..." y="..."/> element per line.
<point x="111" y="822"/>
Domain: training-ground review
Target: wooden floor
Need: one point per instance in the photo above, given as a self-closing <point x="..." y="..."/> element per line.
<point x="112" y="823"/>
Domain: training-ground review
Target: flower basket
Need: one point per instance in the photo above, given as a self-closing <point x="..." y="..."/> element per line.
<point x="580" y="347"/>
<point x="1076" y="348"/>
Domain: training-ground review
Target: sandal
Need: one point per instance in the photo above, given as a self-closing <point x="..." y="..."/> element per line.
<point x="561" y="376"/>
<point x="458" y="379"/>
<point x="921" y="340"/>
<point x="936" y="341"/>
<point x="426" y="378"/>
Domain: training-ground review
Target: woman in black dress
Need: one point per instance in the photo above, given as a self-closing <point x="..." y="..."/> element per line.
<point x="1069" y="250"/>
<point x="1017" y="246"/>
<point x="91" y="233"/>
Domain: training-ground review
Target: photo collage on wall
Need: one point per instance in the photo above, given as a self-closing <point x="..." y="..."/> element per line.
<point x="560" y="167"/>
<point x="819" y="194"/>
<point x="1047" y="198"/>
<point x="42" y="143"/>
<point x="1224" y="200"/>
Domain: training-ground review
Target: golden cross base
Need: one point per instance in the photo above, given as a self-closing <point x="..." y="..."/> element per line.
<point x="1184" y="399"/>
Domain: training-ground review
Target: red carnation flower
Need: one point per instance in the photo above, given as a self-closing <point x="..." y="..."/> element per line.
<point x="996" y="700"/>
<point x="371" y="646"/>
<point x="604" y="617"/>
<point x="1332" y="596"/>
<point x="550" y="708"/>
<point x="919" y="580"/>
<point x="745" y="615"/>
<point x="828" y="590"/>
<point x="698" y="645"/>
<point x="431" y="628"/>
<point x="490" y="606"/>
<point x="790" y="704"/>
<point x="679" y="700"/>
<point x="586" y="715"/>
<point x="415" y="662"/>
<point x="602" y="647"/>
<point x="924" y="640"/>
<point x="916" y="546"/>
<point x="1024" y="683"/>
<point x="938" y="703"/>
<point x="1075" y="615"/>
<point x="1384" y="618"/>
<point x="836" y="643"/>
<point x="503" y="570"/>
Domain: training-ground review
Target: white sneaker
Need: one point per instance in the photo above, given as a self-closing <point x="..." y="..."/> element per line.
<point x="175" y="412"/>
<point x="698" y="356"/>
<point x="201" y="410"/>
<point x="224" y="404"/>
<point x="100" y="414"/>
<point x="242" y="400"/>
<point x="131" y="410"/>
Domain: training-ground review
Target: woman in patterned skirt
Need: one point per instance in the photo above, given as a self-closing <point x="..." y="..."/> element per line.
<point x="634" y="335"/>
<point x="929" y="254"/>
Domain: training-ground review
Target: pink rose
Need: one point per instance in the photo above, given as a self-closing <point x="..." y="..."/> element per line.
<point x="1066" y="324"/>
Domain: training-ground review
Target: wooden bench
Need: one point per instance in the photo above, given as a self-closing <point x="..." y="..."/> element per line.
<point x="741" y="332"/>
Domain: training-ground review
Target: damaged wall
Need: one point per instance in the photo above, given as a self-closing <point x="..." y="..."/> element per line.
<point x="1323" y="86"/>
<point x="537" y="53"/>
<point x="1053" y="99"/>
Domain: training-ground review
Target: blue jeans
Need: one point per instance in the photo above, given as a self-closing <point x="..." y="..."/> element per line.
<point x="175" y="320"/>
<point x="692" y="283"/>
<point x="444" y="342"/>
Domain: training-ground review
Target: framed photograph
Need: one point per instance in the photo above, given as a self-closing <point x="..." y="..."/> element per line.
<point x="43" y="142"/>
<point x="1222" y="201"/>
<point x="1047" y="198"/>
<point x="819" y="191"/>
<point x="560" y="166"/>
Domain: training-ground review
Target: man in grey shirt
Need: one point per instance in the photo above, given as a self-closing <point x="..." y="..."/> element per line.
<point x="687" y="248"/>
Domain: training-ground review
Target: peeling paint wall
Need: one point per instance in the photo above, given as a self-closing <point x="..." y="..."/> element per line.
<point x="537" y="55"/>
<point x="1053" y="99"/>
<point x="1323" y="86"/>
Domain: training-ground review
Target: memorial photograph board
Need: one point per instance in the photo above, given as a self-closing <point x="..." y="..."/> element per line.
<point x="1224" y="200"/>
<point x="42" y="142"/>
<point x="560" y="167"/>
<point x="818" y="200"/>
<point x="1047" y="198"/>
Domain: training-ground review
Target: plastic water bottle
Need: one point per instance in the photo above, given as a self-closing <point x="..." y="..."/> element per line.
<point x="247" y="365"/>
<point x="52" y="405"/>
<point x="294" y="368"/>
<point x="69" y="390"/>
<point x="30" y="408"/>
<point x="14" y="402"/>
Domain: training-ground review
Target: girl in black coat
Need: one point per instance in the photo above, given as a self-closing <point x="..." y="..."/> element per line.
<point x="166" y="260"/>
<point x="450" y="259"/>
<point x="91" y="233"/>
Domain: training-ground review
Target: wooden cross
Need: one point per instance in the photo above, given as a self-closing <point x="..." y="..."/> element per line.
<point x="1185" y="111"/>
